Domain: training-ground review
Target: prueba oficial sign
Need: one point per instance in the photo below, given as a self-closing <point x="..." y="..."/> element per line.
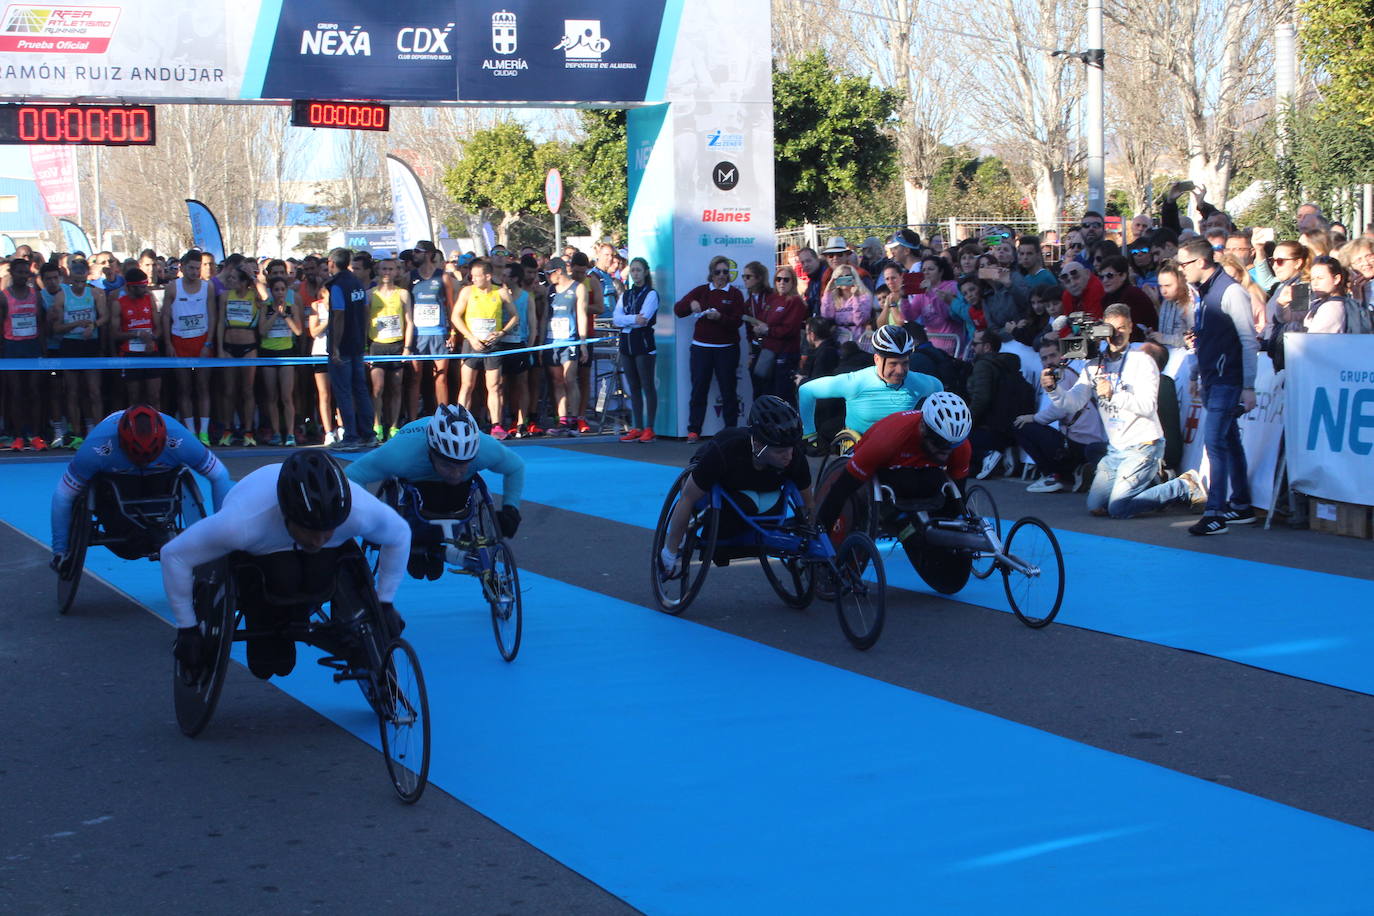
<point x="1330" y="415"/>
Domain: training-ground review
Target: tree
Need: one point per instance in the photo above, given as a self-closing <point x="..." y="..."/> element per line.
<point x="596" y="183"/>
<point x="1142" y="117"/>
<point x="499" y="173"/>
<point x="831" y="137"/>
<point x="1030" y="95"/>
<point x="1336" y="39"/>
<point x="1214" y="56"/>
<point x="971" y="185"/>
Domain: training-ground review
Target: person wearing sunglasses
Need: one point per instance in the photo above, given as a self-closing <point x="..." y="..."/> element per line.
<point x="718" y="310"/>
<point x="1144" y="272"/>
<point x="774" y="315"/>
<point x="1117" y="287"/>
<point x="1082" y="290"/>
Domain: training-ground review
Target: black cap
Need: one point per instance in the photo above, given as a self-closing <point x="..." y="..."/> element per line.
<point x="425" y="245"/>
<point x="134" y="275"/>
<point x="553" y="264"/>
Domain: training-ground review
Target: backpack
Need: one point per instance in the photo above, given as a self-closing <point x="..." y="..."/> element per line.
<point x="952" y="373"/>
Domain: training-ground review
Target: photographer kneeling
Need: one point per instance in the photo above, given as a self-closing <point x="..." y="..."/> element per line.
<point x="1125" y="385"/>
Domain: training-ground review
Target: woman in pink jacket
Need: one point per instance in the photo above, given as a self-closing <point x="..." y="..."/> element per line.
<point x="930" y="307"/>
<point x="849" y="304"/>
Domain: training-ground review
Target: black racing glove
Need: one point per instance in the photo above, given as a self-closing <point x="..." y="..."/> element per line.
<point x="55" y="564"/>
<point x="190" y="648"/>
<point x="393" y="618"/>
<point x="508" y="517"/>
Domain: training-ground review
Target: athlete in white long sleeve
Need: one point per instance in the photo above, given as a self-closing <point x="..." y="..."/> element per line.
<point x="292" y="516"/>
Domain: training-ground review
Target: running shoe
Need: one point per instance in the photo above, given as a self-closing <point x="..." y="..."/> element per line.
<point x="564" y="428"/>
<point x="632" y="435"/>
<point x="275" y="439"/>
<point x="990" y="462"/>
<point x="393" y="432"/>
<point x="1244" y="516"/>
<point x="534" y="429"/>
<point x="204" y="438"/>
<point x="1208" y="525"/>
<point x="378" y="431"/>
<point x="37" y="444"/>
<point x="249" y="441"/>
<point x="226" y="440"/>
<point x="290" y="442"/>
<point x="19" y="445"/>
<point x="1050" y="484"/>
<point x="582" y="426"/>
<point x="647" y="435"/>
<point x="693" y="438"/>
<point x="74" y="442"/>
<point x="498" y="432"/>
<point x="5" y="441"/>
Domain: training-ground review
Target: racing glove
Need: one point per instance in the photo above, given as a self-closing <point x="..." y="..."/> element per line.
<point x="393" y="618"/>
<point x="508" y="517"/>
<point x="190" y="648"/>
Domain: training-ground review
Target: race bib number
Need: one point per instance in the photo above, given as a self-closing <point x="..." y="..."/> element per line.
<point x="560" y="328"/>
<point x="388" y="327"/>
<point x="239" y="312"/>
<point x="191" y="325"/>
<point x="136" y="345"/>
<point x="280" y="329"/>
<point x="24" y="325"/>
<point x="427" y="315"/>
<point x="482" y="327"/>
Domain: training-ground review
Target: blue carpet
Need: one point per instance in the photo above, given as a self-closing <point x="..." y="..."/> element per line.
<point x="689" y="771"/>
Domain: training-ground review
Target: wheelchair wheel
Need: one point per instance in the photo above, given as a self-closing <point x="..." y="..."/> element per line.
<point x="674" y="594"/>
<point x="484" y="524"/>
<point x="861" y="604"/>
<point x="501" y="585"/>
<point x="188" y="502"/>
<point x="793" y="579"/>
<point x="978" y="503"/>
<point x="78" y="540"/>
<point x="195" y="694"/>
<point x="1035" y="597"/>
<point x="403" y="717"/>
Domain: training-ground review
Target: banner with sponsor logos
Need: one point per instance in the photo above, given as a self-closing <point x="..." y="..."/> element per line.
<point x="1330" y="425"/>
<point x="409" y="212"/>
<point x="606" y="51"/>
<point x="54" y="170"/>
<point x="74" y="238"/>
<point x="205" y="229"/>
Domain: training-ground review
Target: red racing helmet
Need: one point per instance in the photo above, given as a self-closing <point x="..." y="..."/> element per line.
<point x="142" y="434"/>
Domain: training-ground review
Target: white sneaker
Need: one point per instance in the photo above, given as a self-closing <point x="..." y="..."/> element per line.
<point x="1050" y="484"/>
<point x="990" y="462"/>
<point x="1197" y="491"/>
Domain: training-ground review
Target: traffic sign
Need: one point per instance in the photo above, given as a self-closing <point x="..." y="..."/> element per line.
<point x="553" y="190"/>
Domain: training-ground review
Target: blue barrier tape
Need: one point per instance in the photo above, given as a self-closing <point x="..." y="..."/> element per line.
<point x="190" y="362"/>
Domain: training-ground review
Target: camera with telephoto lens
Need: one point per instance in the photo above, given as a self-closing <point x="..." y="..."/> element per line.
<point x="1086" y="338"/>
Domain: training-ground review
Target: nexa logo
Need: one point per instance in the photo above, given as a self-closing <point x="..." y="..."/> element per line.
<point x="329" y="39"/>
<point x="424" y="40"/>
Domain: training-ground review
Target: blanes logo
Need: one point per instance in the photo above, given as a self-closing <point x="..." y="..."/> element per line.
<point x="424" y="42"/>
<point x="58" y="29"/>
<point x="728" y="215"/>
<point x="331" y="39"/>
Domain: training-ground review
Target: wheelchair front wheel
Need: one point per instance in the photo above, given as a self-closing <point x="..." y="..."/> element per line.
<point x="1035" y="596"/>
<point x="78" y="540"/>
<point x="861" y="604"/>
<point x="403" y="718"/>
<point x="195" y="693"/>
<point x="501" y="584"/>
<point x="979" y="504"/>
<point x="675" y="593"/>
<point x="189" y="505"/>
<point x="793" y="579"/>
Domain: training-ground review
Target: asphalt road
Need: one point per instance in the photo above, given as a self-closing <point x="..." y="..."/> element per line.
<point x="106" y="808"/>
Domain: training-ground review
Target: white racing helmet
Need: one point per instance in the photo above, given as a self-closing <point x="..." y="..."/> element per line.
<point x="947" y="416"/>
<point x="892" y="340"/>
<point x="453" y="433"/>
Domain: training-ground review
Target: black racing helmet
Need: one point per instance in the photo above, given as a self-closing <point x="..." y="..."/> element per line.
<point x="773" y="421"/>
<point x="313" y="491"/>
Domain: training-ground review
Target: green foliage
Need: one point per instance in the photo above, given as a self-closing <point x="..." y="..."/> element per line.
<point x="498" y="170"/>
<point x="1337" y="38"/>
<point x="595" y="175"/>
<point x="969" y="185"/>
<point x="1119" y="204"/>
<point x="831" y="138"/>
<point x="880" y="204"/>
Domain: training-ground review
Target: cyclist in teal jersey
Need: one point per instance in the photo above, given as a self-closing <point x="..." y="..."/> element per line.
<point x="887" y="387"/>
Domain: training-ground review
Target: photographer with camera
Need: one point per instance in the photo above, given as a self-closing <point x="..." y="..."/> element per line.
<point x="1225" y="370"/>
<point x="1061" y="454"/>
<point x="1124" y="384"/>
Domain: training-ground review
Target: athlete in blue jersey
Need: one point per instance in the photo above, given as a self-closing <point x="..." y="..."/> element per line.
<point x="888" y="387"/>
<point x="137" y="440"/>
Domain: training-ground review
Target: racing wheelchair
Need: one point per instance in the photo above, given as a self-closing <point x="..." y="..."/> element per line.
<point x="469" y="538"/>
<point x="800" y="562"/>
<point x="133" y="514"/>
<point x="949" y="537"/>
<point x="353" y="633"/>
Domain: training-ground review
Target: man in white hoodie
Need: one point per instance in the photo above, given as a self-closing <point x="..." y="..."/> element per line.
<point x="1124" y="383"/>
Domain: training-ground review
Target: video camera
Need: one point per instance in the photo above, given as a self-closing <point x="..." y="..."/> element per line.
<point x="1086" y="338"/>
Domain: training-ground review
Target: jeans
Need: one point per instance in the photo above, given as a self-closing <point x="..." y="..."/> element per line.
<point x="1225" y="454"/>
<point x="1055" y="453"/>
<point x="722" y="363"/>
<point x="1123" y="483"/>
<point x="352" y="395"/>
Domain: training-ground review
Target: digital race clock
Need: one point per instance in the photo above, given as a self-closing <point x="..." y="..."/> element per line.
<point x="78" y="125"/>
<point x="347" y="115"/>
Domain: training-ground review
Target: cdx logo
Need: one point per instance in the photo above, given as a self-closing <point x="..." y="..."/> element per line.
<point x="424" y="39"/>
<point x="329" y="39"/>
